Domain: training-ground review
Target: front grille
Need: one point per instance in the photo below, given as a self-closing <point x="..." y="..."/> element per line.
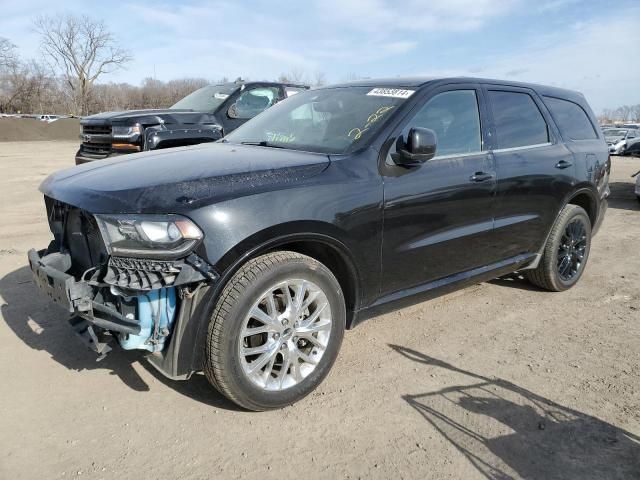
<point x="96" y="148"/>
<point x="96" y="129"/>
<point x="140" y="274"/>
<point x="96" y="140"/>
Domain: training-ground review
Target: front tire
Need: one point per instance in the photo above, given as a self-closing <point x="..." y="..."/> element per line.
<point x="566" y="252"/>
<point x="275" y="331"/>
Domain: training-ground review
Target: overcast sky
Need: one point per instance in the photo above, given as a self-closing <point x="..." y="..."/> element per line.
<point x="589" y="45"/>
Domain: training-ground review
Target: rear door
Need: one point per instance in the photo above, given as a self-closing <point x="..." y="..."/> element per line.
<point x="438" y="217"/>
<point x="535" y="170"/>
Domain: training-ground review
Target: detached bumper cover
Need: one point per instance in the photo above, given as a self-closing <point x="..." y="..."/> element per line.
<point x="77" y="297"/>
<point x="49" y="275"/>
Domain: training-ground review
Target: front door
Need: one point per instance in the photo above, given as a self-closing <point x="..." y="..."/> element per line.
<point x="438" y="217"/>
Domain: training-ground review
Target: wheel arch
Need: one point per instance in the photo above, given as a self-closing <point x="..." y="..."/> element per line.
<point x="317" y="241"/>
<point x="320" y="242"/>
<point x="586" y="199"/>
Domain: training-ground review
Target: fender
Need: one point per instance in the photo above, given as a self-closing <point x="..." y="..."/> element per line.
<point x="595" y="218"/>
<point x="188" y="352"/>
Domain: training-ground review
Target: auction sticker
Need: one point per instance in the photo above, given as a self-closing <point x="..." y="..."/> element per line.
<point x="391" y="92"/>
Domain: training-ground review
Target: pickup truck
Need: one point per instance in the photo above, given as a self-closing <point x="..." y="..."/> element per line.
<point x="205" y="115"/>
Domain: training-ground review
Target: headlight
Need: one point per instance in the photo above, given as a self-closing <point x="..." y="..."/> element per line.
<point x="126" y="133"/>
<point x="157" y="236"/>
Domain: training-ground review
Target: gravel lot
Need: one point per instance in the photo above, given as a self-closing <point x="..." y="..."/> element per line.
<point x="496" y="381"/>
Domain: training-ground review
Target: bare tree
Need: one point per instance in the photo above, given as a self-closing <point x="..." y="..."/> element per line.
<point x="625" y="112"/>
<point x="8" y="56"/>
<point x="296" y="75"/>
<point x="320" y="79"/>
<point x="82" y="48"/>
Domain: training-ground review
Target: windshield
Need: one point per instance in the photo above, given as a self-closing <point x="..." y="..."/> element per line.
<point x="614" y="132"/>
<point x="332" y="120"/>
<point x="206" y="99"/>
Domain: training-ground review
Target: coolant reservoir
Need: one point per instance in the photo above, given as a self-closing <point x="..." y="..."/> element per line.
<point x="156" y="312"/>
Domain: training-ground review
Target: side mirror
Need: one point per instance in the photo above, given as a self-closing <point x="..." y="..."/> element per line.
<point x="418" y="147"/>
<point x="232" y="112"/>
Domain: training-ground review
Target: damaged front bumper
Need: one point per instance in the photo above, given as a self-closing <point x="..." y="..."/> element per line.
<point x="140" y="303"/>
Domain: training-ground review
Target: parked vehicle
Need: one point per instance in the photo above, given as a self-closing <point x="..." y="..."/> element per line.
<point x="622" y="141"/>
<point x="203" y="116"/>
<point x="637" y="188"/>
<point x="249" y="257"/>
<point x="48" y="118"/>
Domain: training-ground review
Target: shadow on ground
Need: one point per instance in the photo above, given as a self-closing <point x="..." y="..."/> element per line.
<point x="622" y="195"/>
<point x="43" y="325"/>
<point x="506" y="431"/>
<point x="515" y="280"/>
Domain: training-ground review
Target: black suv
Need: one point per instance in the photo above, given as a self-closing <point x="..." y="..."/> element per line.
<point x="249" y="257"/>
<point x="203" y="116"/>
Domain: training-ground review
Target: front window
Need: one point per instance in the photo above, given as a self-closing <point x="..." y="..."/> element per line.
<point x="206" y="99"/>
<point x="332" y="120"/>
<point x="252" y="102"/>
<point x="455" y="119"/>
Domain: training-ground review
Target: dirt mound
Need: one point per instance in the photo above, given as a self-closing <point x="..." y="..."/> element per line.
<point x="29" y="129"/>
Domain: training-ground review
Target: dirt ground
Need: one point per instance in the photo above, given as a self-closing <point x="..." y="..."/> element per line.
<point x="23" y="129"/>
<point x="500" y="380"/>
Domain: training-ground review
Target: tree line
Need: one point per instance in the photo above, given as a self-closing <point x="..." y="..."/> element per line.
<point x="77" y="51"/>
<point x="624" y="113"/>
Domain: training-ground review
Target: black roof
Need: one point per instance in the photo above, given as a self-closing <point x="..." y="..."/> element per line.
<point x="418" y="82"/>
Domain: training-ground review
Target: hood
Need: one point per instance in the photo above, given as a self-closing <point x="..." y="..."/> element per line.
<point x="615" y="139"/>
<point x="150" y="117"/>
<point x="180" y="179"/>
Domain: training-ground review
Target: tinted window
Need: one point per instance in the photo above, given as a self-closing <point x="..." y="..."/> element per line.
<point x="518" y="120"/>
<point x="454" y="117"/>
<point x="206" y="99"/>
<point x="571" y="119"/>
<point x="252" y="102"/>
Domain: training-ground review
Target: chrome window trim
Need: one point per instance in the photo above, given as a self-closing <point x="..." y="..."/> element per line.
<point x="525" y="147"/>
<point x="458" y="155"/>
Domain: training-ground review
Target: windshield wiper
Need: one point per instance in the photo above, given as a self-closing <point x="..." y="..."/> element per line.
<point x="262" y="143"/>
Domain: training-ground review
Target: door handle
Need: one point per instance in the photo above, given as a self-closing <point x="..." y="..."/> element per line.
<point x="563" y="164"/>
<point x="480" y="177"/>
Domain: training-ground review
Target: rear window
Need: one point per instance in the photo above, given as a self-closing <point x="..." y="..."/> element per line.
<point x="571" y="119"/>
<point x="518" y="120"/>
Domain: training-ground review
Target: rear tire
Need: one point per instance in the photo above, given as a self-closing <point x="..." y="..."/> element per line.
<point x="275" y="331"/>
<point x="566" y="252"/>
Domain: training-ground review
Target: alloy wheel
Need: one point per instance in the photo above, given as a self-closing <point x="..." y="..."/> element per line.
<point x="285" y="334"/>
<point x="572" y="249"/>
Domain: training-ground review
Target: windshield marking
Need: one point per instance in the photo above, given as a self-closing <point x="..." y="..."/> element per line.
<point x="371" y="119"/>
<point x="278" y="137"/>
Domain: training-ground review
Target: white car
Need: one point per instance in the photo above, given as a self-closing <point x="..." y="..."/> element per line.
<point x="48" y="118"/>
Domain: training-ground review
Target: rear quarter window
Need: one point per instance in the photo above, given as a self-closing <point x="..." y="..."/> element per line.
<point x="571" y="118"/>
